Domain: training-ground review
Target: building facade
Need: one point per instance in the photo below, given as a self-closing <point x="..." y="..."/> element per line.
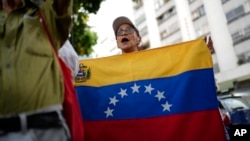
<point x="226" y="21"/>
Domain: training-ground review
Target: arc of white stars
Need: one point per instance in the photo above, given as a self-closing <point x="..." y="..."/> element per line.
<point x="109" y="112"/>
<point x="166" y="106"/>
<point x="149" y="89"/>
<point x="160" y="95"/>
<point x="113" y="100"/>
<point x="135" y="88"/>
<point x="123" y="92"/>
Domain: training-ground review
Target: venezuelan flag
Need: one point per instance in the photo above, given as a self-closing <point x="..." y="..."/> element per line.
<point x="161" y="94"/>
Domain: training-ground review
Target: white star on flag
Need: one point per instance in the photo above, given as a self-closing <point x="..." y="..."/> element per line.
<point x="135" y="88"/>
<point x="153" y="92"/>
<point x="148" y="89"/>
<point x="123" y="93"/>
<point x="160" y="95"/>
<point x="166" y="106"/>
<point x="109" y="112"/>
<point x="113" y="100"/>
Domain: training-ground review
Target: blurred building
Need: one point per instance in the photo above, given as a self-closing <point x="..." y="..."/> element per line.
<point x="166" y="22"/>
<point x="107" y="46"/>
<point x="226" y="21"/>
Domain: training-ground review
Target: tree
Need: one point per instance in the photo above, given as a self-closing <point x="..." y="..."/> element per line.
<point x="82" y="38"/>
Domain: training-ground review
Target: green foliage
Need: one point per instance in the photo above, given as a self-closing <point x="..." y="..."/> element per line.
<point x="82" y="38"/>
<point x="92" y="6"/>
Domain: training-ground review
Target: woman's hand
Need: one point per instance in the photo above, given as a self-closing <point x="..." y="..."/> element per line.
<point x="209" y="43"/>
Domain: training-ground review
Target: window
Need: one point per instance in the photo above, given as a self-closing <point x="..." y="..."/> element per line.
<point x="166" y="15"/>
<point x="140" y="20"/>
<point x="241" y="35"/>
<point x="170" y="30"/>
<point x="138" y="5"/>
<point x="158" y="4"/>
<point x="243" y="58"/>
<point x="163" y="34"/>
<point x="144" y="31"/>
<point x="199" y="12"/>
<point x="235" y="13"/>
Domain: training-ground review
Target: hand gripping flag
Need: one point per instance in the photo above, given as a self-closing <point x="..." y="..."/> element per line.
<point x="161" y="94"/>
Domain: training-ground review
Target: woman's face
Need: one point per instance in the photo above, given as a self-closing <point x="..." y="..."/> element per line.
<point x="127" y="39"/>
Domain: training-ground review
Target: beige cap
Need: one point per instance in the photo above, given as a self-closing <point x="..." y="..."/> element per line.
<point x="121" y="20"/>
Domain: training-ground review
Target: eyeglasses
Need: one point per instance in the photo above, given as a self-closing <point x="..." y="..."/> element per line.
<point x="126" y="31"/>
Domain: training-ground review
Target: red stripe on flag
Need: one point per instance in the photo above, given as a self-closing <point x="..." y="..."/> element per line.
<point x="195" y="126"/>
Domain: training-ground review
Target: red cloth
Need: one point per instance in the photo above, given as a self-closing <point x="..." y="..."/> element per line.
<point x="71" y="107"/>
<point x="178" y="127"/>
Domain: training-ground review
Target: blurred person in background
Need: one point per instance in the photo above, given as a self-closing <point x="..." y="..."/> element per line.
<point x="70" y="57"/>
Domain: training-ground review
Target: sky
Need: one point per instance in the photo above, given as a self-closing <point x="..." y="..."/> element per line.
<point x="109" y="10"/>
<point x="101" y="22"/>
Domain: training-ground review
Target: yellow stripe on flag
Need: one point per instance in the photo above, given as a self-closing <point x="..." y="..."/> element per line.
<point x="147" y="64"/>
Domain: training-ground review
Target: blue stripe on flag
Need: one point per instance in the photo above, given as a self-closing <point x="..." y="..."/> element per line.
<point x="187" y="92"/>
